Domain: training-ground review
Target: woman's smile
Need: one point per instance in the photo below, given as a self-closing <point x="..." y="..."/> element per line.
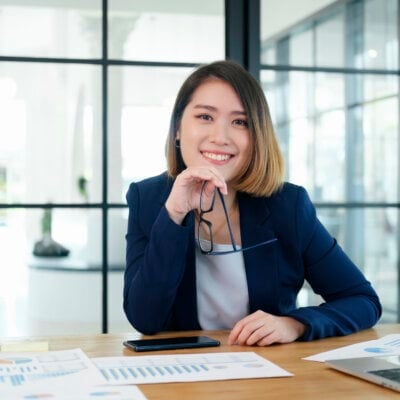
<point x="216" y="156"/>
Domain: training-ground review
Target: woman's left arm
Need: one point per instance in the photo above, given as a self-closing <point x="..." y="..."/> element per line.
<point x="351" y="304"/>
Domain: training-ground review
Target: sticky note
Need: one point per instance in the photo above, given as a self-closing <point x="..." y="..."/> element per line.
<point x="24" y="346"/>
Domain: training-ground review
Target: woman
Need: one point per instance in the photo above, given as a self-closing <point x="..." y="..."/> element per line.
<point x="221" y="242"/>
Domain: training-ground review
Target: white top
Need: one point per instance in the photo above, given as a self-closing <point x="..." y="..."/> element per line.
<point x="222" y="294"/>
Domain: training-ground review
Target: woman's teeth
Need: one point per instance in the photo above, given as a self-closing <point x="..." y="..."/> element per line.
<point x="217" y="157"/>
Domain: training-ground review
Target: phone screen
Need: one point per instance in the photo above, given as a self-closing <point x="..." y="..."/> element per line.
<point x="185" y="342"/>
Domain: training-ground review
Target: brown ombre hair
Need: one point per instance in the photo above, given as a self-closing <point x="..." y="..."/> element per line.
<point x="262" y="175"/>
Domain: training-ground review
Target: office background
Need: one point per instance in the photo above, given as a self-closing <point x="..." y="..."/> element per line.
<point x="86" y="88"/>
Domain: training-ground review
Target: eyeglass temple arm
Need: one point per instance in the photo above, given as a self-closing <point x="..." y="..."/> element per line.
<point x="227" y="219"/>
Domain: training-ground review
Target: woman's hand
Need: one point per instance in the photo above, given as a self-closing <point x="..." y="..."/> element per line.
<point x="185" y="194"/>
<point x="263" y="329"/>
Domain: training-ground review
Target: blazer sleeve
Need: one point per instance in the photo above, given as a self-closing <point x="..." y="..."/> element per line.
<point x="351" y="304"/>
<point x="155" y="262"/>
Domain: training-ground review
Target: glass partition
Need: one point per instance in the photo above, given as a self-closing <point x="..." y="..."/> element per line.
<point x="339" y="130"/>
<point x="52" y="282"/>
<point x="178" y="31"/>
<point x="141" y="103"/>
<point x="327" y="33"/>
<point x="54" y="115"/>
<point x="118" y="221"/>
<point x="50" y="130"/>
<point x="372" y="245"/>
<point x="59" y="28"/>
<point x="338" y="146"/>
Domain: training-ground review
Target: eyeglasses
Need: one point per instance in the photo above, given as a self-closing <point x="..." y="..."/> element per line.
<point x="206" y="206"/>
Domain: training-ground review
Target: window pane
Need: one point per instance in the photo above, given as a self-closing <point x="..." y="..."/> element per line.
<point x="333" y="136"/>
<point x="269" y="55"/>
<point x="117" y="224"/>
<point x="381" y="30"/>
<point x="369" y="237"/>
<point x="179" y="30"/>
<point x="359" y="34"/>
<point x="330" y="41"/>
<point x="330" y="161"/>
<point x="48" y="294"/>
<point x="380" y="150"/>
<point x="141" y="100"/>
<point x="277" y="24"/>
<point x="50" y="132"/>
<point x="329" y="92"/>
<point x="377" y="87"/>
<point x="51" y="29"/>
<point x="301" y="48"/>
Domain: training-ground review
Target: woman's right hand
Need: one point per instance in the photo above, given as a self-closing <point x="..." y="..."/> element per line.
<point x="185" y="193"/>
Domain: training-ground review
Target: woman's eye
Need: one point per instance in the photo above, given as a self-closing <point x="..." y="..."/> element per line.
<point x="205" y="117"/>
<point x="241" y="122"/>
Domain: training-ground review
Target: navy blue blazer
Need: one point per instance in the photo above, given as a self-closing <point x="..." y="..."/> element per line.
<point x="160" y="278"/>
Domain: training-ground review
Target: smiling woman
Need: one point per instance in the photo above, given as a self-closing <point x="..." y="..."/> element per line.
<point x="221" y="140"/>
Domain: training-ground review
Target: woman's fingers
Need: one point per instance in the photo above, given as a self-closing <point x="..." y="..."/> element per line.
<point x="201" y="174"/>
<point x="263" y="329"/>
<point x="242" y="329"/>
<point x="185" y="193"/>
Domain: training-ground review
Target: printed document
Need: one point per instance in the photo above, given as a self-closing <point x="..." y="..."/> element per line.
<point x="388" y="345"/>
<point x="44" y="369"/>
<point x="186" y="368"/>
<point x="70" y="393"/>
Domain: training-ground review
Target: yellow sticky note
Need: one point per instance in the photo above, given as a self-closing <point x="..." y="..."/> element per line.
<point x="24" y="346"/>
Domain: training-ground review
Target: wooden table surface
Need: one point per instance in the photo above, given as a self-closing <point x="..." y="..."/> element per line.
<point x="311" y="380"/>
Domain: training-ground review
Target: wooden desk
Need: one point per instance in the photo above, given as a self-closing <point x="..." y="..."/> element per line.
<point x="311" y="380"/>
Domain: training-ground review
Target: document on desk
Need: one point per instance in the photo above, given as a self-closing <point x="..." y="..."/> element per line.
<point x="387" y="345"/>
<point x="186" y="368"/>
<point x="130" y="392"/>
<point x="47" y="369"/>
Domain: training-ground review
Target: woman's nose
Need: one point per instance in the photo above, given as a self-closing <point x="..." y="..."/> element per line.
<point x="220" y="133"/>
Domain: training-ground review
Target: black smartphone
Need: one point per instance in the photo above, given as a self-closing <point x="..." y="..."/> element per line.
<point x="186" y="342"/>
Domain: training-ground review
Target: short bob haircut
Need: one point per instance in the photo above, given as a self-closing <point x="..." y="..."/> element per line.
<point x="263" y="173"/>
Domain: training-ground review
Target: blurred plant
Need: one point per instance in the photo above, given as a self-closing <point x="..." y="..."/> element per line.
<point x="46" y="222"/>
<point x="82" y="187"/>
<point x="46" y="246"/>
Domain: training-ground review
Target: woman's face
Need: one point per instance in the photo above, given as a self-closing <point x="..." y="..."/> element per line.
<point x="214" y="130"/>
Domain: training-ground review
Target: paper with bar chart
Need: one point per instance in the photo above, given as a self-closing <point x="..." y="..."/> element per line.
<point x="67" y="367"/>
<point x="186" y="368"/>
<point x="388" y="345"/>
